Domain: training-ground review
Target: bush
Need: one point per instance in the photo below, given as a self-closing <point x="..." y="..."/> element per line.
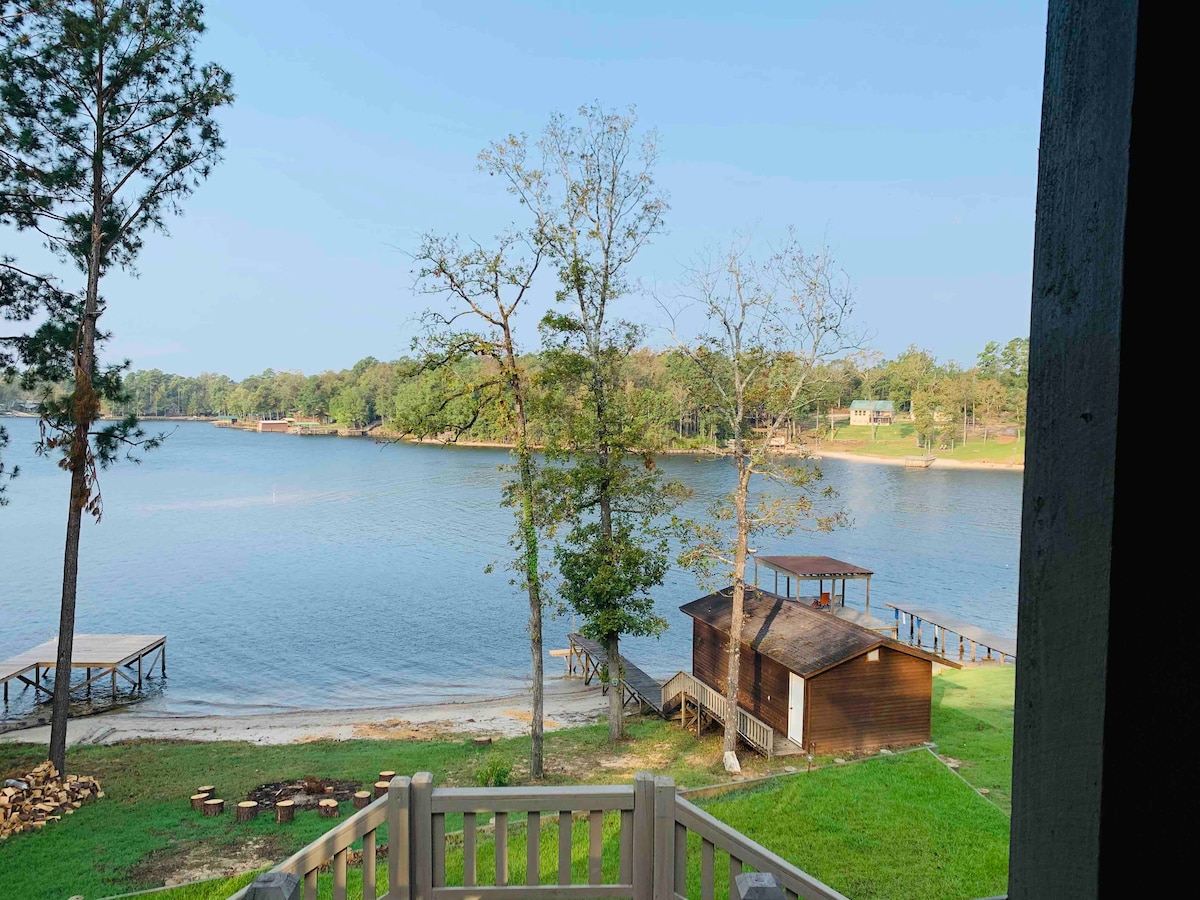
<point x="493" y="773"/>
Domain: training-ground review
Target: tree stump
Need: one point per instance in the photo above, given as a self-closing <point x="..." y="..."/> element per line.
<point x="246" y="810"/>
<point x="198" y="801"/>
<point x="328" y="809"/>
<point x="213" y="807"/>
<point x="381" y="788"/>
<point x="285" y="810"/>
<point x="387" y="775"/>
<point x="361" y="799"/>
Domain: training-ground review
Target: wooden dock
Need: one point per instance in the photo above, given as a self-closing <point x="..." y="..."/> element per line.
<point x="942" y="624"/>
<point x="919" y="462"/>
<point x="112" y="654"/>
<point x="636" y="685"/>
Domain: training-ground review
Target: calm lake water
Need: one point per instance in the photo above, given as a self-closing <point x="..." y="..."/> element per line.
<point x="296" y="572"/>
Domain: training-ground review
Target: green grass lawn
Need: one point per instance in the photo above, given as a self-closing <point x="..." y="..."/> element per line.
<point x="973" y="722"/>
<point x="900" y="440"/>
<point x="886" y="827"/>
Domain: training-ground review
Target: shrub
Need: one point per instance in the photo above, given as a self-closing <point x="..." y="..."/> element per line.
<point x="493" y="773"/>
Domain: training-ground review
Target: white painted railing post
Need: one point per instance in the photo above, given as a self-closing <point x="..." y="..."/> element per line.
<point x="422" y="836"/>
<point x="399" y="844"/>
<point x="664" y="838"/>
<point x="643" y="836"/>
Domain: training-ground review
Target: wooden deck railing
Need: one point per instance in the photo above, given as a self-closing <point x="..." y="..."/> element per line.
<point x="334" y="846"/>
<point x="755" y="731"/>
<point x="652" y="846"/>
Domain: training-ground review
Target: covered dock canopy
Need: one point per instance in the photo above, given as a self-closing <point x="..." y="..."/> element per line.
<point x="814" y="568"/>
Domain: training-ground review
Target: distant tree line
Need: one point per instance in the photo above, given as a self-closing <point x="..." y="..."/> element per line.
<point x="662" y="387"/>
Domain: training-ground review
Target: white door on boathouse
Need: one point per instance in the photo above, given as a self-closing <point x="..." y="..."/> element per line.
<point x="795" y="709"/>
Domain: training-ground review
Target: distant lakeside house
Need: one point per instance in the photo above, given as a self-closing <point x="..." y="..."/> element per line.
<point x="872" y="412"/>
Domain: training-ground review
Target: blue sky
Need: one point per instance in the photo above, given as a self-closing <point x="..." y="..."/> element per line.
<point x="905" y="133"/>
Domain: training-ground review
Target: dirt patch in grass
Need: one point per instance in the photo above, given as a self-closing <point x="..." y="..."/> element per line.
<point x="401" y="730"/>
<point x="189" y="861"/>
<point x="305" y="793"/>
<point x="623" y="761"/>
<point x="522" y="716"/>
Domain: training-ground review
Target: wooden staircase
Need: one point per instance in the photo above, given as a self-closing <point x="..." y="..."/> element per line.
<point x="684" y="689"/>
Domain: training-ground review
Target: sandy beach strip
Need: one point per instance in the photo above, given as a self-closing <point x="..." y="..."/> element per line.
<point x="568" y="703"/>
<point x="938" y="463"/>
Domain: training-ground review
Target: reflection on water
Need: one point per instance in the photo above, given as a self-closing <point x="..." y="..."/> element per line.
<point x="295" y="572"/>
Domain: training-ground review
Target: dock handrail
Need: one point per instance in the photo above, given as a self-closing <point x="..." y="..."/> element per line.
<point x="757" y="733"/>
<point x="651" y="847"/>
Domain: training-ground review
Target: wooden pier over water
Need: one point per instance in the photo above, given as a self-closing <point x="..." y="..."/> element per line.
<point x="942" y="624"/>
<point x="111" y="654"/>
<point x="636" y="685"/>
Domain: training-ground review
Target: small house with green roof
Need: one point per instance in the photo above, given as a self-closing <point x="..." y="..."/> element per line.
<point x="872" y="412"/>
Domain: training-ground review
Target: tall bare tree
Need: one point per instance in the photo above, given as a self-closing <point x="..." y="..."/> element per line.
<point x="772" y="326"/>
<point x="589" y="185"/>
<point x="106" y="125"/>
<point x="484" y="289"/>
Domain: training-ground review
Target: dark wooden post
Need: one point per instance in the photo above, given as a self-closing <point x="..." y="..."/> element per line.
<point x="1087" y="703"/>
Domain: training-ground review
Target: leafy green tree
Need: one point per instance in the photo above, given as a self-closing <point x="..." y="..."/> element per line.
<point x="958" y="390"/>
<point x="589" y="185"/>
<point x="773" y="325"/>
<point x="106" y="126"/>
<point x="349" y="407"/>
<point x="927" y="409"/>
<point x="1015" y="358"/>
<point x="989" y="398"/>
<point x="911" y="372"/>
<point x="483" y="290"/>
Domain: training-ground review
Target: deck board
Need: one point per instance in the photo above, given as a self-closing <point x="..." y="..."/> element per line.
<point x="645" y="688"/>
<point x="96" y="651"/>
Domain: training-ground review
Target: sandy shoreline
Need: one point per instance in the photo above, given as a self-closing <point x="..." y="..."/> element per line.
<point x="817" y="452"/>
<point x="939" y="462"/>
<point x="567" y="704"/>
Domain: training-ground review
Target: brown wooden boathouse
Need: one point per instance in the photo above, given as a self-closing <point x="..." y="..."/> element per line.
<point x="826" y="683"/>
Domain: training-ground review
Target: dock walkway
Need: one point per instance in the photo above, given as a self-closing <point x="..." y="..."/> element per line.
<point x="637" y="685"/>
<point x="943" y="623"/>
<point x="110" y="653"/>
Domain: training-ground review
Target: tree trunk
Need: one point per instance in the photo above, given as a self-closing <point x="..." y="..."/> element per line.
<point x="733" y="683"/>
<point x="85" y="410"/>
<point x="616" y="708"/>
<point x="530" y="563"/>
<point x="66" y="622"/>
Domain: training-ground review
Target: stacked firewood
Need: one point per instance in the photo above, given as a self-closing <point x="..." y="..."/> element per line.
<point x="41" y="796"/>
